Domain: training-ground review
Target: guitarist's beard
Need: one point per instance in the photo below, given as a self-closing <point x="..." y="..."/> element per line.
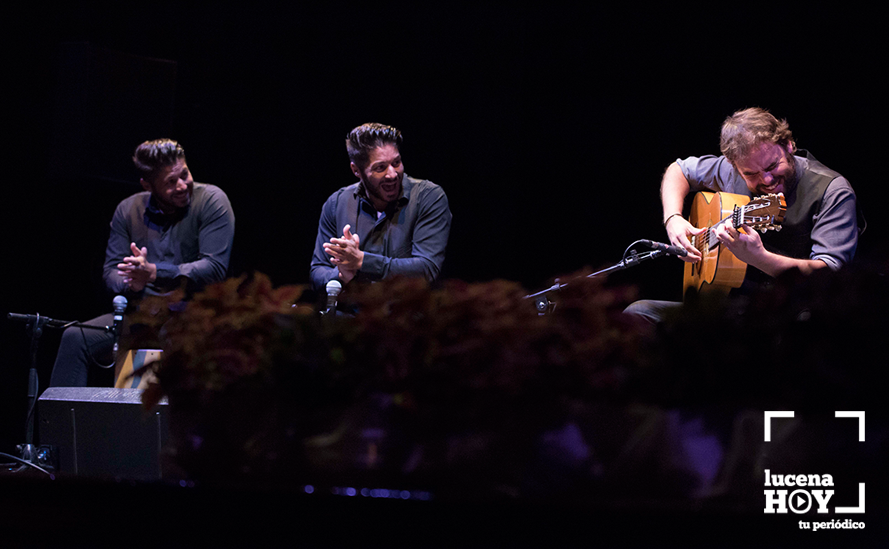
<point x="784" y="183"/>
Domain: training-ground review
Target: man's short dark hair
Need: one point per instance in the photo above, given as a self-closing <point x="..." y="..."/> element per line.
<point x="151" y="156"/>
<point x="368" y="137"/>
<point x="745" y="130"/>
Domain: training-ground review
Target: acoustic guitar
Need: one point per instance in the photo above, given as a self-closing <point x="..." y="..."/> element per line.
<point x="719" y="269"/>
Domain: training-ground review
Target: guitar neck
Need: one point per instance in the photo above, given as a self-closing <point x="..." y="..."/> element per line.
<point x="740" y="214"/>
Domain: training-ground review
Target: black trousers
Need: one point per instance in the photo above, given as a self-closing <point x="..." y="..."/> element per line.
<point x="80" y="349"/>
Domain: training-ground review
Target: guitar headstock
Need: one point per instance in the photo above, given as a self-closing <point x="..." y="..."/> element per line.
<point x="763" y="213"/>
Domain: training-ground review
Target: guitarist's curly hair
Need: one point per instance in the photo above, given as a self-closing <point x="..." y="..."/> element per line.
<point x="746" y="129"/>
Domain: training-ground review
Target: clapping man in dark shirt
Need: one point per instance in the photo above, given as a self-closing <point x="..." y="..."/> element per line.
<point x="174" y="234"/>
<point x="387" y="223"/>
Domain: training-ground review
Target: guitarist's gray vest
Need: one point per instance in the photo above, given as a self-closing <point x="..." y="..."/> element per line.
<point x="803" y="202"/>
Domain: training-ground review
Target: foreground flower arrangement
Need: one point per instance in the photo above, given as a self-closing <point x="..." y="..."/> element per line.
<point x="464" y="389"/>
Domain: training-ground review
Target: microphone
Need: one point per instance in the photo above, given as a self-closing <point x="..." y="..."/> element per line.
<point x="38" y="318"/>
<point x="334" y="287"/>
<point x="672" y="250"/>
<point x="120" y="305"/>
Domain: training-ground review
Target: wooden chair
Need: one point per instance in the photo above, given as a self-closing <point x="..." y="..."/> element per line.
<point x="132" y="361"/>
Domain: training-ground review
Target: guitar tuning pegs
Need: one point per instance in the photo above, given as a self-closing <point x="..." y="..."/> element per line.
<point x="764" y="230"/>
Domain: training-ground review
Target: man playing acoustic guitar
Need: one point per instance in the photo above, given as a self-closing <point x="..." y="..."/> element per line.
<point x="820" y="226"/>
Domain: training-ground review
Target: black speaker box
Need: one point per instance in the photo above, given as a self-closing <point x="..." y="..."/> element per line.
<point x="103" y="432"/>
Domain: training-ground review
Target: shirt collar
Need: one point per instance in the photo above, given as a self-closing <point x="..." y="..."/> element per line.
<point x="153" y="212"/>
<point x="152" y="207"/>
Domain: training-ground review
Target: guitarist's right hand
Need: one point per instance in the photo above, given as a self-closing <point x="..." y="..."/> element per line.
<point x="679" y="230"/>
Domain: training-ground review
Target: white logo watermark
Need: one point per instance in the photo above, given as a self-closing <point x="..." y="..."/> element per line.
<point x="799" y="492"/>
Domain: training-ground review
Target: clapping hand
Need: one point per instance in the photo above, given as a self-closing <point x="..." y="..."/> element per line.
<point x="136" y="271"/>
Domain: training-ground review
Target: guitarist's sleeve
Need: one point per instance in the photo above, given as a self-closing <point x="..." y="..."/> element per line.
<point x="835" y="233"/>
<point x="712" y="173"/>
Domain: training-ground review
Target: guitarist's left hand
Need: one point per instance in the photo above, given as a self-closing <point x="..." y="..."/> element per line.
<point x="745" y="244"/>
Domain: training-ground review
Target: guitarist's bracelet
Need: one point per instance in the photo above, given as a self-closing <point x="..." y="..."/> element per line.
<point x="669" y="217"/>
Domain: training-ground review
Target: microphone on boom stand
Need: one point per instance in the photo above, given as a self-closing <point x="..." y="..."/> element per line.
<point x="631" y="258"/>
<point x="667" y="248"/>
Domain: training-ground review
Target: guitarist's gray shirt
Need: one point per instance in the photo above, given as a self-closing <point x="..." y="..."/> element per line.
<point x="835" y="231"/>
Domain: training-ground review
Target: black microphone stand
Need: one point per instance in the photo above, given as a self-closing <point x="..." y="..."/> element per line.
<point x="631" y="258"/>
<point x="29" y="454"/>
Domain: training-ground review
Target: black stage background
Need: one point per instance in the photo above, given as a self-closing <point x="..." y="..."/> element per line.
<point x="548" y="126"/>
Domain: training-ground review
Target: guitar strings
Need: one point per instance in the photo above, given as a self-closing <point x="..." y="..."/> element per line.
<point x="702" y="244"/>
